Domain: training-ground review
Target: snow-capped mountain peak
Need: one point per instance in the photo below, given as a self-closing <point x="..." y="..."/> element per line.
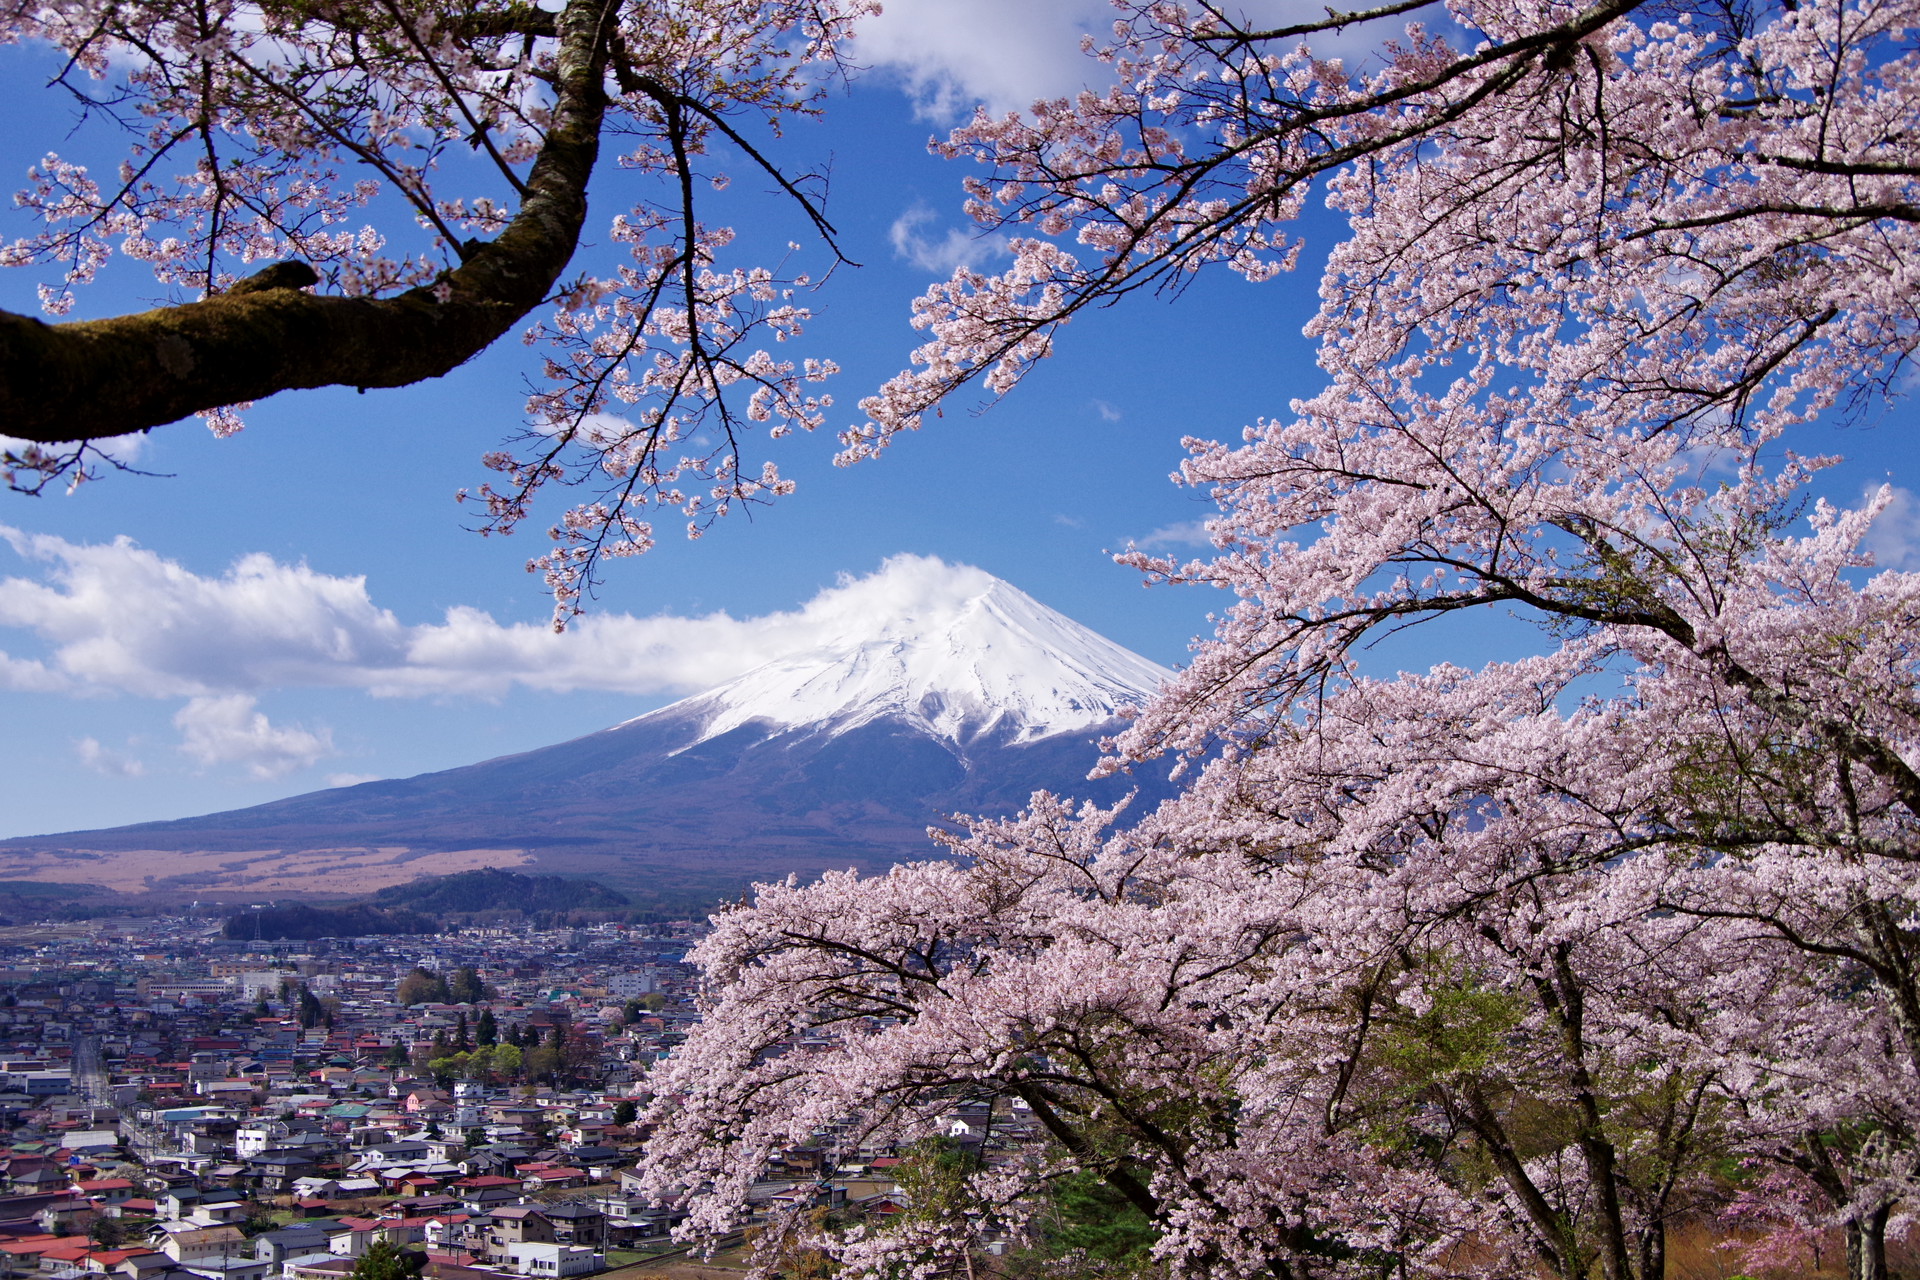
<point x="953" y="664"/>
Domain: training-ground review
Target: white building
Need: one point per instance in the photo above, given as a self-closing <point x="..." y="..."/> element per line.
<point x="250" y="1140"/>
<point x="552" y="1261"/>
<point x="260" y="985"/>
<point x="630" y="986"/>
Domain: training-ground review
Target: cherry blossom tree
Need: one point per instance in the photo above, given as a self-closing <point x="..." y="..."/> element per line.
<point x="416" y="175"/>
<point x="1485" y="972"/>
<point x="1467" y="971"/>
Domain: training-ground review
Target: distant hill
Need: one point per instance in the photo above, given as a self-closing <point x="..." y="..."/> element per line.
<point x="491" y="889"/>
<point x="297" y="920"/>
<point x="46" y="899"/>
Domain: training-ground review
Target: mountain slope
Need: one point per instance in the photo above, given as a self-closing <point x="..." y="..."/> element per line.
<point x="839" y="755"/>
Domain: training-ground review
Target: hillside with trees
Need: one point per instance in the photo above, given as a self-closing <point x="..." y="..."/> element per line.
<point x="302" y="921"/>
<point x="490" y="889"/>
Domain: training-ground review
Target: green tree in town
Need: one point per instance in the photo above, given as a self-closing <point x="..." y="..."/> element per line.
<point x="461" y="1042"/>
<point x="624" y="1111"/>
<point x="1089" y="1220"/>
<point x="487" y="1031"/>
<point x="943" y="1214"/>
<point x="540" y="1062"/>
<point x="423" y="986"/>
<point x="382" y="1261"/>
<point x="579" y="1056"/>
<point x="466" y="987"/>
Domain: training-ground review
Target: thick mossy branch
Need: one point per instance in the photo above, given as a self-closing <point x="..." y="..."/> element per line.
<point x="61" y="383"/>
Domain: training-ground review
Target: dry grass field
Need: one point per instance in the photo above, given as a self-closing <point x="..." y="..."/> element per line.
<point x="261" y="872"/>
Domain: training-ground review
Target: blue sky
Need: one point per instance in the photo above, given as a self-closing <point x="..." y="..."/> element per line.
<point x="208" y="633"/>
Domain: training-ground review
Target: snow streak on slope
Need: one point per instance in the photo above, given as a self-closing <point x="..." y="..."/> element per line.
<point x="980" y="656"/>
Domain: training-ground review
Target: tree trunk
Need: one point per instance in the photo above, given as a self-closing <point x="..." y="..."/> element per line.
<point x="1867" y="1245"/>
<point x="63" y="383"/>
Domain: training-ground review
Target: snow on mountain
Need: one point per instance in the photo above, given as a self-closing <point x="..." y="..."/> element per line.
<point x="983" y="657"/>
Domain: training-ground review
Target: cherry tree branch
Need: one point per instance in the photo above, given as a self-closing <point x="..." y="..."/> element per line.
<point x="62" y="383"/>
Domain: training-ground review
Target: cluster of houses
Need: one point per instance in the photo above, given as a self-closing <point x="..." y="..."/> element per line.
<point x="481" y="1212"/>
<point x="168" y="1117"/>
<point x="494" y="1212"/>
<point x="205" y="1236"/>
<point x="174" y="1104"/>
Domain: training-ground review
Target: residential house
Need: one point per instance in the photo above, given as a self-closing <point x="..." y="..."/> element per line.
<point x="293" y="1241"/>
<point x="541" y="1175"/>
<point x="578" y="1224"/>
<point x="202" y="1249"/>
<point x="135" y="1263"/>
<point x="317" y="1266"/>
<point x="510" y="1226"/>
<point x="549" y="1261"/>
<point x="481" y="1195"/>
<point x="386" y="1155"/>
<point x="634" y="1218"/>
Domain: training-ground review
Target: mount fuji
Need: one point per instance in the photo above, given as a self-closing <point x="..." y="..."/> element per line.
<point x="840" y="753"/>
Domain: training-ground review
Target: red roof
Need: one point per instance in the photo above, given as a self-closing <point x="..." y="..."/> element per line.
<point x="114" y="1257"/>
<point x="40" y="1244"/>
<point x="42" y="1239"/>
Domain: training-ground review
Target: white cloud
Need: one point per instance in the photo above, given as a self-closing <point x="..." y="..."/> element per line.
<point x="952" y="54"/>
<point x="1894" y="536"/>
<point x="1107" y="412"/>
<point x="125" y="450"/>
<point x="957" y="248"/>
<point x="101" y="759"/>
<point x="352" y="779"/>
<point x="23" y="675"/>
<point x="227" y="730"/>
<point x="117" y="618"/>
<point x="1187" y="533"/>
